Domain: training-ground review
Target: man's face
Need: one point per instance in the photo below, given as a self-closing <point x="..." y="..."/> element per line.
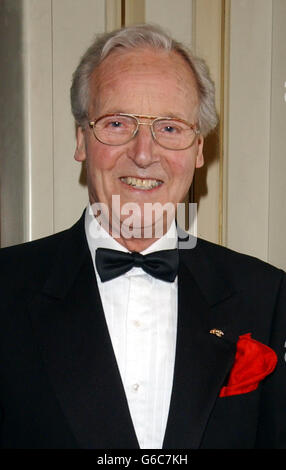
<point x="141" y="82"/>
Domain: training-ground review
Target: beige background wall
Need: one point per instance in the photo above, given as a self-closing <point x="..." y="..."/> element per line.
<point x="11" y="128"/>
<point x="47" y="41"/>
<point x="277" y="170"/>
<point x="256" y="177"/>
<point x="241" y="191"/>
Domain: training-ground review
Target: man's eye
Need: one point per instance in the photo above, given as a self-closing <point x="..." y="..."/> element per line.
<point x="115" y="124"/>
<point x="169" y="129"/>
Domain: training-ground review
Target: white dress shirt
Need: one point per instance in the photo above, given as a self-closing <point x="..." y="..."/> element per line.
<point x="141" y="315"/>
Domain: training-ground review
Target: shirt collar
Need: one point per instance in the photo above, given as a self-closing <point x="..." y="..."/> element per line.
<point x="97" y="237"/>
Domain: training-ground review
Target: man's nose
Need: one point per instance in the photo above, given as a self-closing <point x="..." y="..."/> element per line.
<point x="142" y="148"/>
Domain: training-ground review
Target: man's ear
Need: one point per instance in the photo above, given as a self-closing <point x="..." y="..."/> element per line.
<point x="200" y="155"/>
<point x="80" y="151"/>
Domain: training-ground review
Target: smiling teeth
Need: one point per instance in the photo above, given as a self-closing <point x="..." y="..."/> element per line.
<point x="141" y="183"/>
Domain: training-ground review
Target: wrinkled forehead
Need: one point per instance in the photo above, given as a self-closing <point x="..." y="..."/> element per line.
<point x="139" y="65"/>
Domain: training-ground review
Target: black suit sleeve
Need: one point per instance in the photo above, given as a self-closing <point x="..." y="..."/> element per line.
<point x="272" y="423"/>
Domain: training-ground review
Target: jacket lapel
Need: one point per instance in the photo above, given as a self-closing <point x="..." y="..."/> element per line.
<point x="72" y="334"/>
<point x="203" y="360"/>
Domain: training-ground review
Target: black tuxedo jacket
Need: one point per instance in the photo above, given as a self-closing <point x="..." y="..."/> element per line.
<point x="59" y="382"/>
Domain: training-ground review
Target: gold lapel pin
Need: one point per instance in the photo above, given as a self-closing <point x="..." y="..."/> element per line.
<point x="217" y="332"/>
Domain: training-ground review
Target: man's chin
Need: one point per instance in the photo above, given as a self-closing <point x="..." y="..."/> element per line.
<point x="132" y="220"/>
<point x="146" y="229"/>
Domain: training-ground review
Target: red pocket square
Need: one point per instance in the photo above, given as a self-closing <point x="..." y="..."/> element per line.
<point x="253" y="361"/>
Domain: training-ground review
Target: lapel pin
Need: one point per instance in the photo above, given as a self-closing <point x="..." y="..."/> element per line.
<point x="217" y="332"/>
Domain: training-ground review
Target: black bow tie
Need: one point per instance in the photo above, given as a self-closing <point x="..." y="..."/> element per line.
<point x="160" y="264"/>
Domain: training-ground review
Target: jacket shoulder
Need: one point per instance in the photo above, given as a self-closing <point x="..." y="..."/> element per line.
<point x="230" y="256"/>
<point x="27" y="266"/>
<point x="238" y="266"/>
<point x="29" y="251"/>
<point x="41" y="251"/>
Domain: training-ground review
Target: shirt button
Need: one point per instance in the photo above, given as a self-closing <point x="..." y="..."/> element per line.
<point x="135" y="387"/>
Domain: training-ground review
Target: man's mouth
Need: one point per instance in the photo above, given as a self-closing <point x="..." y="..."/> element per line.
<point x="140" y="183"/>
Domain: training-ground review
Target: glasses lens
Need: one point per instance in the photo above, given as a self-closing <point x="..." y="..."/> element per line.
<point x="115" y="129"/>
<point x="173" y="134"/>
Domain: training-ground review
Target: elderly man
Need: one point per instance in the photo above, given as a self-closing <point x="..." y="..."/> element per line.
<point x="112" y="336"/>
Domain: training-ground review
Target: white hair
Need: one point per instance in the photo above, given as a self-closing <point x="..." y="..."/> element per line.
<point x="138" y="36"/>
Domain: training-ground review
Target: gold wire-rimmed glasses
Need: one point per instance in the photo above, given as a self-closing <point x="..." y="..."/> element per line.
<point x="119" y="128"/>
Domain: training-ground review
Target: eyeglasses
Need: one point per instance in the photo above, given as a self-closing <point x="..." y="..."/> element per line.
<point x="119" y="129"/>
